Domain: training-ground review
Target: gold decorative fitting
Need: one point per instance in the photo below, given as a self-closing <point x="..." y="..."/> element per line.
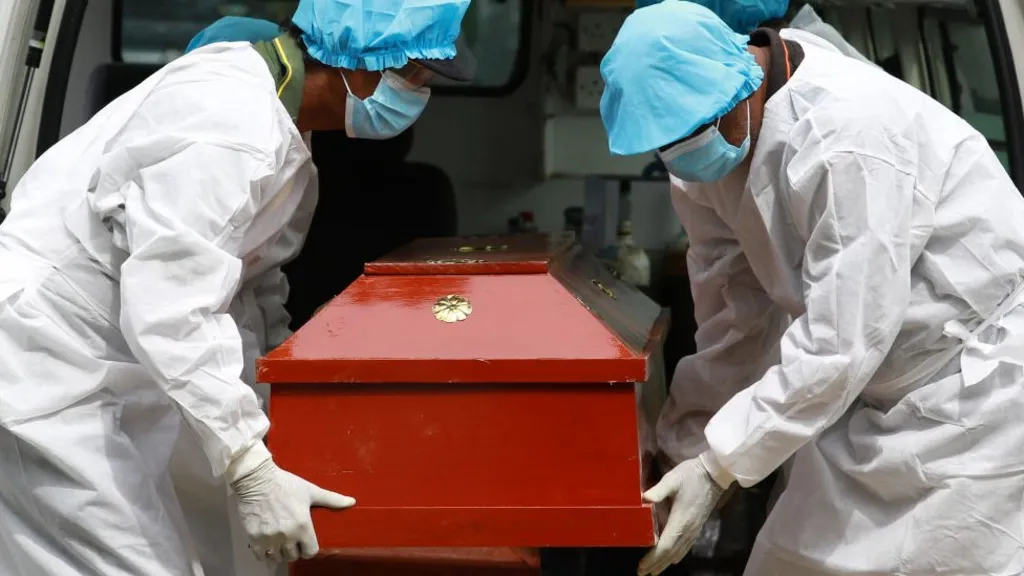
<point x="456" y="261"/>
<point x="597" y="284"/>
<point x="452" y="308"/>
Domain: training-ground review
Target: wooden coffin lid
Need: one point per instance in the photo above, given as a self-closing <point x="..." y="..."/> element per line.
<point x="513" y="309"/>
<point x="518" y="254"/>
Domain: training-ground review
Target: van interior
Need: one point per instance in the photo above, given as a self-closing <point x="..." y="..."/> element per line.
<point x="521" y="147"/>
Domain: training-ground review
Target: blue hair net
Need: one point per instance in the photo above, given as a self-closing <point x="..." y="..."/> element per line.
<point x="672" y="68"/>
<point x="235" y="29"/>
<point x="379" y="34"/>
<point x="743" y="16"/>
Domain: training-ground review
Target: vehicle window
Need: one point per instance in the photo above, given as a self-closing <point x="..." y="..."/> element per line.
<point x="156" y="32"/>
<point x="963" y="73"/>
<point x="494" y="31"/>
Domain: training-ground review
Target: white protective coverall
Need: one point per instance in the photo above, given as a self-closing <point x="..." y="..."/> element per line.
<point x="139" y="279"/>
<point x="886" y="228"/>
<point x="808" y="27"/>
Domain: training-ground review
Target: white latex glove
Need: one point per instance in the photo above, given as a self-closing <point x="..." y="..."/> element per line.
<point x="694" y="494"/>
<point x="274" y="506"/>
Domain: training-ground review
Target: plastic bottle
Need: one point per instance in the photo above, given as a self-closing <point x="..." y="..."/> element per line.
<point x="632" y="262"/>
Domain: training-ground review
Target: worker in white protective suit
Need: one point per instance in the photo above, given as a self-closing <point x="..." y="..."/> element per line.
<point x="212" y="525"/>
<point x="807" y="27"/>
<point x="857" y="265"/>
<point x="140" y="277"/>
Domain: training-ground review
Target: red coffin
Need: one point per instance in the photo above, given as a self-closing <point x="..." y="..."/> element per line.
<point x="487" y="392"/>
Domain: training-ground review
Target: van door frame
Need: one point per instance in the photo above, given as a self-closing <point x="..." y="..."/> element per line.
<point x="60" y="74"/>
<point x="999" y="17"/>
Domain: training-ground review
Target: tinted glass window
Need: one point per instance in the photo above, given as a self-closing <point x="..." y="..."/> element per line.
<point x="960" y="57"/>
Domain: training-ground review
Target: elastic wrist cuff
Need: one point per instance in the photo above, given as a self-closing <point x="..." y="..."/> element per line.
<point x="718" y="473"/>
<point x="247" y="461"/>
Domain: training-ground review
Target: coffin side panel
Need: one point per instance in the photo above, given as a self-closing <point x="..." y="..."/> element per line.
<point x="457" y="465"/>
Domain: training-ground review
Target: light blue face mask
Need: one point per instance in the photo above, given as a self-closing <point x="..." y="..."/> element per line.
<point x="392" y="108"/>
<point x="707" y="157"/>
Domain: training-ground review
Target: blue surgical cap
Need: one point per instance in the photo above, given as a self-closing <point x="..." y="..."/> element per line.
<point x="235" y="29"/>
<point x="673" y="68"/>
<point x="379" y="34"/>
<point x="742" y="16"/>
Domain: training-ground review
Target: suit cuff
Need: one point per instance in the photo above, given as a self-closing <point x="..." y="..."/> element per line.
<point x="247" y="461"/>
<point x="718" y="473"/>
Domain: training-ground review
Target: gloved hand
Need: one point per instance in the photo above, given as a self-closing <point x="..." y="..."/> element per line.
<point x="274" y="506"/>
<point x="694" y="493"/>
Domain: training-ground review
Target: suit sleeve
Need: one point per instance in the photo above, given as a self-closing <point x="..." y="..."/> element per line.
<point x="183" y="219"/>
<point x="855" y="209"/>
<point x="738" y="328"/>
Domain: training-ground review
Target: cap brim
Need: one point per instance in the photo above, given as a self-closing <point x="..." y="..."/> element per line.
<point x="461" y="68"/>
